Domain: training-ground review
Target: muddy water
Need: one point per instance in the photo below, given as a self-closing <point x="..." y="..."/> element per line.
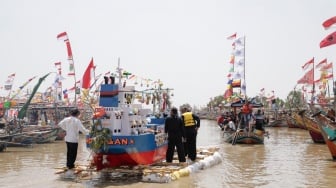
<point x="288" y="158"/>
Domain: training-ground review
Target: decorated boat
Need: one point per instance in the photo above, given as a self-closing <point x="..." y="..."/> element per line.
<point x="123" y="132"/>
<point x="312" y="127"/>
<point x="245" y="136"/>
<point x="328" y="130"/>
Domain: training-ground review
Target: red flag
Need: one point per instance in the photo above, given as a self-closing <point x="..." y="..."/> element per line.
<point x="308" y="78"/>
<point x="86" y="80"/>
<point x="62" y="36"/>
<point x="328" y="40"/>
<point x="232" y="36"/>
<point x="322" y="63"/>
<point x="228" y="93"/>
<point x="307" y="65"/>
<point x="329" y="22"/>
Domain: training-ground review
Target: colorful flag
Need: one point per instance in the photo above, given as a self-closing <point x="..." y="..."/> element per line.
<point x="86" y="80"/>
<point x="9" y="82"/>
<point x="329" y="22"/>
<point x="64" y="36"/>
<point x="322" y="63"/>
<point x="308" y="64"/>
<point x="308" y="78"/>
<point x="232" y="36"/>
<point x="228" y="93"/>
<point x="328" y="40"/>
<point x="236" y="83"/>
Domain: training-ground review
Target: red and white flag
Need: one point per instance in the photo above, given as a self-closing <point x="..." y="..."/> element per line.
<point x="86" y="80"/>
<point x="308" y="64"/>
<point x="322" y="63"/>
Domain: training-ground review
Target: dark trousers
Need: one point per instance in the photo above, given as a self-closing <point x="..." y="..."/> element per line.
<point x="190" y="145"/>
<point x="172" y="143"/>
<point x="71" y="154"/>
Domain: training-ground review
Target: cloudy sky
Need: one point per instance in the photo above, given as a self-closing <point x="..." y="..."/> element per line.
<point x="181" y="42"/>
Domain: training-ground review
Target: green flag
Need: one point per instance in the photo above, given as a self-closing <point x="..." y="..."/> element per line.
<point x="23" y="110"/>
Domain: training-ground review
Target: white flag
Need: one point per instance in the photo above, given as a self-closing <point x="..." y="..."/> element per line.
<point x="240" y="41"/>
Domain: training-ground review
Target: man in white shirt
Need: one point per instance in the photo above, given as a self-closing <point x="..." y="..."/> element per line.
<point x="72" y="125"/>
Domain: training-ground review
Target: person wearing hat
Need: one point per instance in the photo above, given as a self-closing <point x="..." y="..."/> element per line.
<point x="72" y="125"/>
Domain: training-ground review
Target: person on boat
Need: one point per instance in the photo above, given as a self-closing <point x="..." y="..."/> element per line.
<point x="259" y="120"/>
<point x="176" y="135"/>
<point x="245" y="115"/>
<point x="72" y="125"/>
<point x="191" y="123"/>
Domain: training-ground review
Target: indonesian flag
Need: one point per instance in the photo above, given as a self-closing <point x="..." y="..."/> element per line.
<point x="329" y="22"/>
<point x="328" y="40"/>
<point x="232" y="36"/>
<point x="86" y="80"/>
<point x="307" y="65"/>
<point x="62" y="36"/>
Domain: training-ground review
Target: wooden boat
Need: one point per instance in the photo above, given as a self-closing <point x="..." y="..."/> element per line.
<point x="250" y="136"/>
<point x="312" y="127"/>
<point x="298" y="119"/>
<point x="121" y="134"/>
<point x="328" y="130"/>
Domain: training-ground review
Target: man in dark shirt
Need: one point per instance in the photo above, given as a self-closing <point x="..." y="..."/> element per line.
<point x="175" y="129"/>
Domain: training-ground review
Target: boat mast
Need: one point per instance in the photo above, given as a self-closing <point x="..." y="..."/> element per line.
<point x="244" y="84"/>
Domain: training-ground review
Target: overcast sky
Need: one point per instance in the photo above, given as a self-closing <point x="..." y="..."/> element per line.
<point x="181" y="42"/>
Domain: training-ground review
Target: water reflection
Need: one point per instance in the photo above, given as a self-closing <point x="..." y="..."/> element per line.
<point x="288" y="158"/>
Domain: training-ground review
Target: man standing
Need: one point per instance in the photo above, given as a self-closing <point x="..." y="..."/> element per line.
<point x="174" y="128"/>
<point x="192" y="124"/>
<point x="72" y="125"/>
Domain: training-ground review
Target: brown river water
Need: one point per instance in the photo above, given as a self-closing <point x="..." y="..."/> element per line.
<point x="288" y="158"/>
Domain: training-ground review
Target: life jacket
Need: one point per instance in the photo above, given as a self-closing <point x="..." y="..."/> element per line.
<point x="188" y="119"/>
<point x="246" y="109"/>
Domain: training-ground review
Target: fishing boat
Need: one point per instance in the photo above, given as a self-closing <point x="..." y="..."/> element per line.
<point x="328" y="130"/>
<point x="123" y="132"/>
<point x="312" y="127"/>
<point x="245" y="136"/>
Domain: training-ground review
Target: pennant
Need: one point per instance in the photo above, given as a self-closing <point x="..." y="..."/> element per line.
<point x="240" y="41"/>
<point x="86" y="80"/>
<point x="9" y="82"/>
<point x="326" y="67"/>
<point x="308" y="78"/>
<point x="62" y="36"/>
<point x="228" y="93"/>
<point x="307" y="65"/>
<point x="232" y="36"/>
<point x="239" y="52"/>
<point x="232" y="59"/>
<point x="236" y="83"/>
<point x="329" y="22"/>
<point x="23" y="111"/>
<point x="322" y="63"/>
<point x="241" y="62"/>
<point x="328" y="40"/>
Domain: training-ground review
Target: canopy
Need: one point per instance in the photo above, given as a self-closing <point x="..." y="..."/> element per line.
<point x="240" y="103"/>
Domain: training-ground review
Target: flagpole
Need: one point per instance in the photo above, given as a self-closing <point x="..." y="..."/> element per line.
<point x="244" y="69"/>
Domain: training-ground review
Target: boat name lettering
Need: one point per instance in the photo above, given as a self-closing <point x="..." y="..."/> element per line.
<point x="121" y="141"/>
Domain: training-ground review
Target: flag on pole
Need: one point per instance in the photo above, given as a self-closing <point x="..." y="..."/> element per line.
<point x="64" y="37"/>
<point x="86" y="80"/>
<point x="233" y="36"/>
<point x="322" y="63"/>
<point x="9" y="82"/>
<point x="308" y="64"/>
<point x="328" y="40"/>
<point x="329" y="22"/>
<point x="308" y="78"/>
